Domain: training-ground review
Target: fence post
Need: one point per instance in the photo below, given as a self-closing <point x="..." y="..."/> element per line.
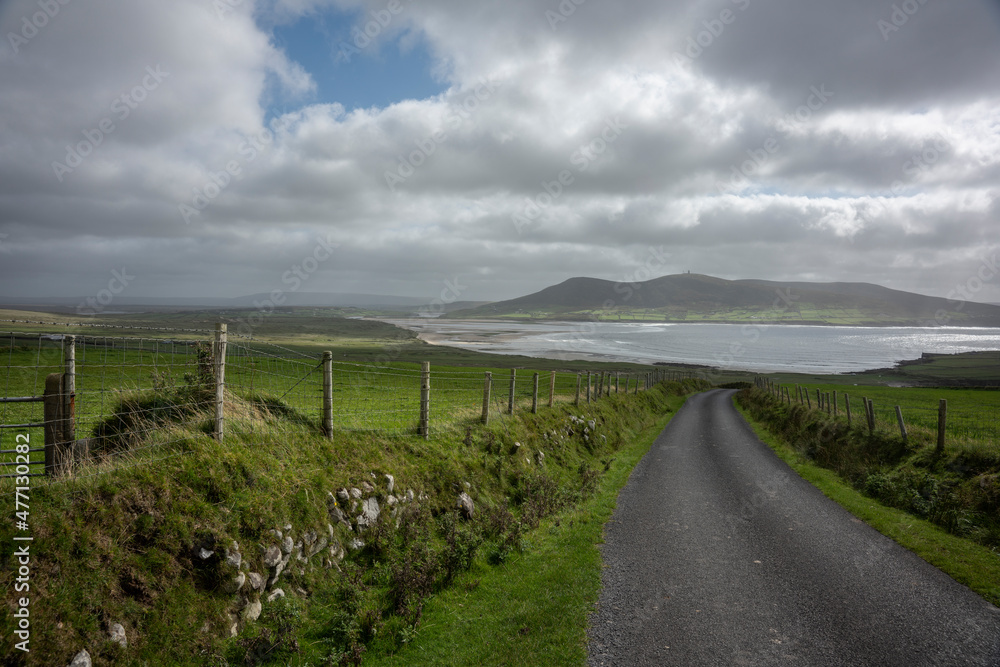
<point x="588" y="387"/>
<point x="552" y="388"/>
<point x="487" y="387"/>
<point x="219" y="356"/>
<point x="510" y="395"/>
<point x="627" y="378"/>
<point x="424" y="426"/>
<point x="834" y="402"/>
<point x="870" y="409"/>
<point x="942" y="422"/>
<point x="579" y="381"/>
<point x="616" y="382"/>
<point x="808" y="400"/>
<point x="902" y="427"/>
<point x="68" y="414"/>
<point x="847" y="405"/>
<point x="534" y="396"/>
<point x="55" y="449"/>
<point x="600" y="385"/>
<point x="826" y="402"/>
<point x="328" y="394"/>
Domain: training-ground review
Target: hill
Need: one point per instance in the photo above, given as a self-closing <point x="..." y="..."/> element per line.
<point x="699" y="298"/>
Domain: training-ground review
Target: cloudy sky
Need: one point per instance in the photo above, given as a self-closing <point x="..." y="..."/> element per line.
<point x="226" y="147"/>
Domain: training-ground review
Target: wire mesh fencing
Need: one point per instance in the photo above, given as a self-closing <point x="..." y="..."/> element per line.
<point x="118" y="401"/>
<point x="966" y="419"/>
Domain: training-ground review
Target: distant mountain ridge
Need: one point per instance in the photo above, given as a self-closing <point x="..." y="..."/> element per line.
<point x="700" y="298"/>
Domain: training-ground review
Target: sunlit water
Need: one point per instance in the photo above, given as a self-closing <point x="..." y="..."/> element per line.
<point x="753" y="347"/>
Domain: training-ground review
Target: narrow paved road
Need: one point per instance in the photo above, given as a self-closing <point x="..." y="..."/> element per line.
<point x="719" y="554"/>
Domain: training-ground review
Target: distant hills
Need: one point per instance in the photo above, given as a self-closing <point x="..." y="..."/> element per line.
<point x="699" y="298"/>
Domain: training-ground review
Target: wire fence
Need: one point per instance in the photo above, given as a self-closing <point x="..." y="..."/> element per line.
<point x="967" y="419"/>
<point x="119" y="401"/>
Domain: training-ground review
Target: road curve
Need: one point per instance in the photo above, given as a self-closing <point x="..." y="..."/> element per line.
<point x="719" y="554"/>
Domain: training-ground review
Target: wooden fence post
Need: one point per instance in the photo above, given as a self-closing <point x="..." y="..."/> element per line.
<point x="870" y="410"/>
<point x="68" y="415"/>
<point x="588" y="387"/>
<point x="424" y="426"/>
<point x="902" y="426"/>
<point x="942" y="422"/>
<point x="534" y="396"/>
<point x="826" y="402"/>
<point x="616" y="382"/>
<point x="510" y="394"/>
<point x="579" y="381"/>
<point x="219" y="356"/>
<point x="847" y="406"/>
<point x="808" y="400"/>
<point x="56" y="459"/>
<point x="600" y="385"/>
<point x="552" y="388"/>
<point x="328" y="394"/>
<point x="834" y="402"/>
<point x="487" y="388"/>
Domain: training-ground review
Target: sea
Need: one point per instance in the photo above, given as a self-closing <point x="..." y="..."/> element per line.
<point x="759" y="348"/>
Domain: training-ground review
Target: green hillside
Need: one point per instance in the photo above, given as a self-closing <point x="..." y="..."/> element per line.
<point x="699" y="298"/>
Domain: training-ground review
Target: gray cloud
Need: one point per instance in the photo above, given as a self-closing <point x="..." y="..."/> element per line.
<point x="607" y="133"/>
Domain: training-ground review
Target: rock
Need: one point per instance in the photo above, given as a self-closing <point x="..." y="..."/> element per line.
<point x="234" y="627"/>
<point x="287" y="545"/>
<point x="391" y="500"/>
<point x="204" y="553"/>
<point x="369" y="513"/>
<point x="343" y="495"/>
<point x="256" y="581"/>
<point x="251" y="612"/>
<point x="468" y="487"/>
<point x="81" y="659"/>
<point x="356" y="493"/>
<point x="390" y="483"/>
<point x="465" y="505"/>
<point x="540" y="457"/>
<point x="309" y="538"/>
<point x="236" y="583"/>
<point x="336" y="552"/>
<point x="317" y="546"/>
<point x="288" y="527"/>
<point x="409" y="495"/>
<point x="604" y="438"/>
<point x="272" y="556"/>
<point x="367" y="488"/>
<point x="276" y="533"/>
<point x="592" y="424"/>
<point x="356" y="545"/>
<point x="275" y="594"/>
<point x="234" y="558"/>
<point x="329" y="529"/>
<point x="117" y="634"/>
<point x="338" y="515"/>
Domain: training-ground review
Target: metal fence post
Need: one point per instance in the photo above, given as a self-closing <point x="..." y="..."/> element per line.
<point x="328" y="394"/>
<point x="424" y="427"/>
<point x="219" y="356"/>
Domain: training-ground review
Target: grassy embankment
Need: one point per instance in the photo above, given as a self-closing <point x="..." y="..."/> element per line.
<point x="121" y="546"/>
<point x="944" y="506"/>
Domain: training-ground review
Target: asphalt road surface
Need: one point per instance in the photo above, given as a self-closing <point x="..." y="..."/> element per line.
<point x="719" y="554"/>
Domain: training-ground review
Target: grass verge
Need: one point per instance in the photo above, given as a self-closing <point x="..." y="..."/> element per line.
<point x="532" y="610"/>
<point x="971" y="564"/>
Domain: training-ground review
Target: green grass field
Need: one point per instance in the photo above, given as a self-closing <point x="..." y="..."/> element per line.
<point x="973" y="415"/>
